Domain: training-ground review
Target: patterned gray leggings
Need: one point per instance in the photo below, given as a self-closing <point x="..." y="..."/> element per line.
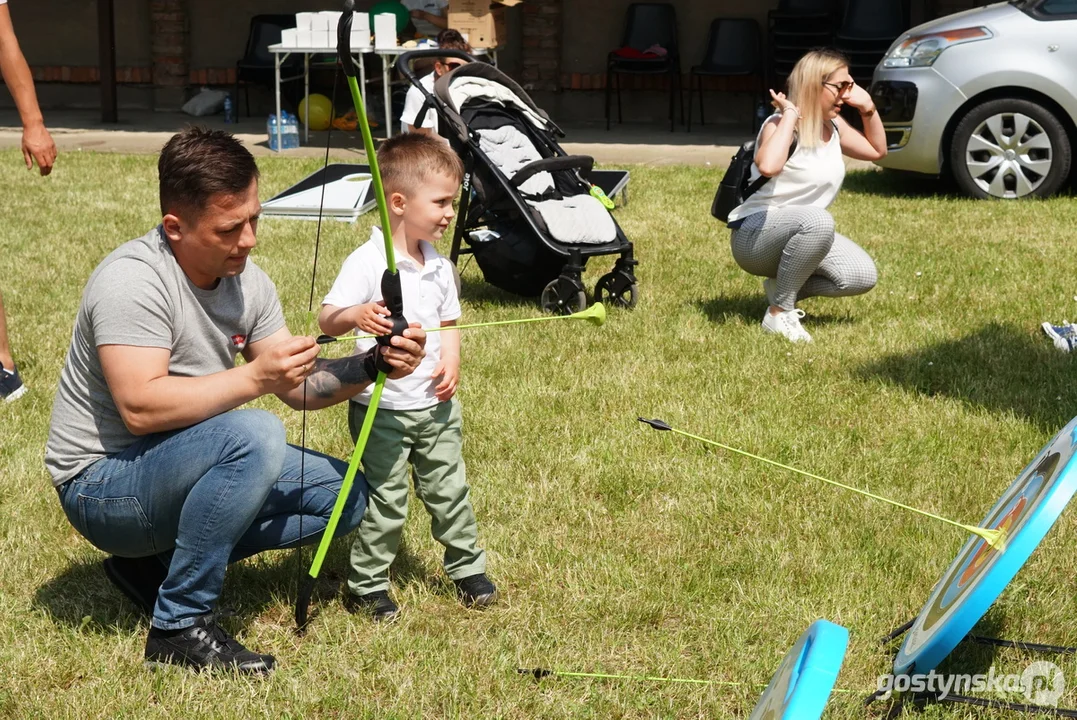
<point x="798" y="247"/>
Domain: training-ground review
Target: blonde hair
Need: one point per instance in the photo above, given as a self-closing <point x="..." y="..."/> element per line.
<point x="407" y="161"/>
<point x="805" y="86"/>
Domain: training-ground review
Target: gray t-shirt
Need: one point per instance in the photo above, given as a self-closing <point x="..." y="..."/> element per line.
<point x="140" y="296"/>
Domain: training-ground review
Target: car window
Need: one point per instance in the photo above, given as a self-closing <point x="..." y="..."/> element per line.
<point x="1058" y="7"/>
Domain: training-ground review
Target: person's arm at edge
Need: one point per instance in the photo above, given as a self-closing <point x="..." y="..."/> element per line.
<point x="439" y="21"/>
<point x="37" y="144"/>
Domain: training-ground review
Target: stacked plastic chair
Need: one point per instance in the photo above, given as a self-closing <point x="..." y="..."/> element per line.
<point x="733" y="50"/>
<point x="868" y="28"/>
<point x="793" y="28"/>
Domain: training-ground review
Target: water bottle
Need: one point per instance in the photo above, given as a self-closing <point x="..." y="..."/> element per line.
<point x="762" y="112"/>
<point x="228" y="109"/>
<point x="271" y="131"/>
<point x="289" y="130"/>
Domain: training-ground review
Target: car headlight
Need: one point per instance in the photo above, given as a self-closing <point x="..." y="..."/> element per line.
<point x="922" y="50"/>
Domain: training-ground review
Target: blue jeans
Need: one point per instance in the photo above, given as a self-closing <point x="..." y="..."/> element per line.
<point x="204" y="496"/>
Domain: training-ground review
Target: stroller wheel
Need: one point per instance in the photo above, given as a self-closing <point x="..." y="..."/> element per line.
<point x="618" y="289"/>
<point x="564" y="296"/>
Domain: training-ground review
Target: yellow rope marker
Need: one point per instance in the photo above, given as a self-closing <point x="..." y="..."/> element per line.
<point x="996" y="539"/>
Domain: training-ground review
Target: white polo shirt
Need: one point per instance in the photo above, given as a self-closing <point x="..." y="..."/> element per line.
<point x="430" y="298"/>
<point x="413" y="103"/>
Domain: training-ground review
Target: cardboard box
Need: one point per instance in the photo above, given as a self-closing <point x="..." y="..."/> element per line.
<point x="481" y="22"/>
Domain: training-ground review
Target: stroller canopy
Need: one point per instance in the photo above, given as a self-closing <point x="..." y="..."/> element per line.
<point x="485" y="107"/>
<point x="482" y="81"/>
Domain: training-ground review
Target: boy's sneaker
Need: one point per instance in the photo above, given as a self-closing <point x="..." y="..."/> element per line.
<point x="139" y="579"/>
<point x="11" y="387"/>
<point x="1064" y="336"/>
<point x="377" y="604"/>
<point x="204" y="646"/>
<point x="787" y="323"/>
<point x="476" y="591"/>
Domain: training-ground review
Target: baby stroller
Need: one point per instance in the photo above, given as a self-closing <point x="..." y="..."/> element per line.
<point x="526" y="212"/>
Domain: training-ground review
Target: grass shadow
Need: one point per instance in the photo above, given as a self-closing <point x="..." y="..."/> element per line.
<point x="899" y="184"/>
<point x="750" y="308"/>
<point x="477" y="292"/>
<point x="1000" y="368"/>
<point x="409" y="567"/>
<point x="971" y="657"/>
<point x="81" y="597"/>
<point x="893" y="183"/>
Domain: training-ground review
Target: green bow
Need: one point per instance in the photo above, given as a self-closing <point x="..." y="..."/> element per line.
<point x="394" y="301"/>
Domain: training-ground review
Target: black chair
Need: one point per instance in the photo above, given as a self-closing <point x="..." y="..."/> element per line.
<point x="646" y="25"/>
<point x="733" y="49"/>
<point x="802" y="11"/>
<point x="795" y="27"/>
<point x="870" y="23"/>
<point x="256" y="66"/>
<point x="867" y="30"/>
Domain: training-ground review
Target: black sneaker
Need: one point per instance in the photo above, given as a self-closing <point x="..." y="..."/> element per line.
<point x="476" y="591"/>
<point x="377" y="604"/>
<point x="11" y="387"/>
<point x="139" y="579"/>
<point x="204" y="645"/>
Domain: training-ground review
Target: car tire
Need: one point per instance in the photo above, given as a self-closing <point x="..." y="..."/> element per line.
<point x="1010" y="148"/>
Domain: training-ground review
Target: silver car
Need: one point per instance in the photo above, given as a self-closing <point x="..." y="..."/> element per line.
<point x="987" y="95"/>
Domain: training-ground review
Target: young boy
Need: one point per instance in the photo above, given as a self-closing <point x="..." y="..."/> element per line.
<point x="418" y="421"/>
<point x="413" y="103"/>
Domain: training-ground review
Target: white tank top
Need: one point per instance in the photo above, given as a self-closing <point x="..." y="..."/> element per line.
<point x="811" y="176"/>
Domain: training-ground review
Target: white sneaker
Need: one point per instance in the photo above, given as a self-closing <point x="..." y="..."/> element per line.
<point x="1064" y="336"/>
<point x="787" y="323"/>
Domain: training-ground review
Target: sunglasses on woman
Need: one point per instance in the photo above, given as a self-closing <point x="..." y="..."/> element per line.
<point x="842" y="87"/>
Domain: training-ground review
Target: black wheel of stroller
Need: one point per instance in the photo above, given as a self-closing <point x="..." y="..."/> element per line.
<point x="564" y="296"/>
<point x="617" y="289"/>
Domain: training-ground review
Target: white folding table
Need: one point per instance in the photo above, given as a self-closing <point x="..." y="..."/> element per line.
<point x="281" y="53"/>
<point x="388" y="60"/>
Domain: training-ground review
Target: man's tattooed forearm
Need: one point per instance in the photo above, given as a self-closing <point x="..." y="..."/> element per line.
<point x="330" y="376"/>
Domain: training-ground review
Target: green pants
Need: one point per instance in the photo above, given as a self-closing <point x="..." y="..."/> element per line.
<point x="429" y="440"/>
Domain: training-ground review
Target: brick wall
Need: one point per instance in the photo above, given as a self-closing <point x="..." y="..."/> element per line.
<point x="169" y="47"/>
<point x="541" y="57"/>
<point x="597" y="81"/>
<point x="128" y="75"/>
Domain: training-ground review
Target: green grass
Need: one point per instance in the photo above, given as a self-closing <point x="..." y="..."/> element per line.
<point x="618" y="549"/>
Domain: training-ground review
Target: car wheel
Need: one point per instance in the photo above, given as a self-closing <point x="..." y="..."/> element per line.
<point x="1010" y="148"/>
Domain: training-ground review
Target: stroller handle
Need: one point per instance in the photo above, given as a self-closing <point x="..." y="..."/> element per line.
<point x="403" y="63"/>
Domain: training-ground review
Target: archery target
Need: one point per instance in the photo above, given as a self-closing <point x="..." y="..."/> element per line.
<point x="979" y="573"/>
<point x="801" y="686"/>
